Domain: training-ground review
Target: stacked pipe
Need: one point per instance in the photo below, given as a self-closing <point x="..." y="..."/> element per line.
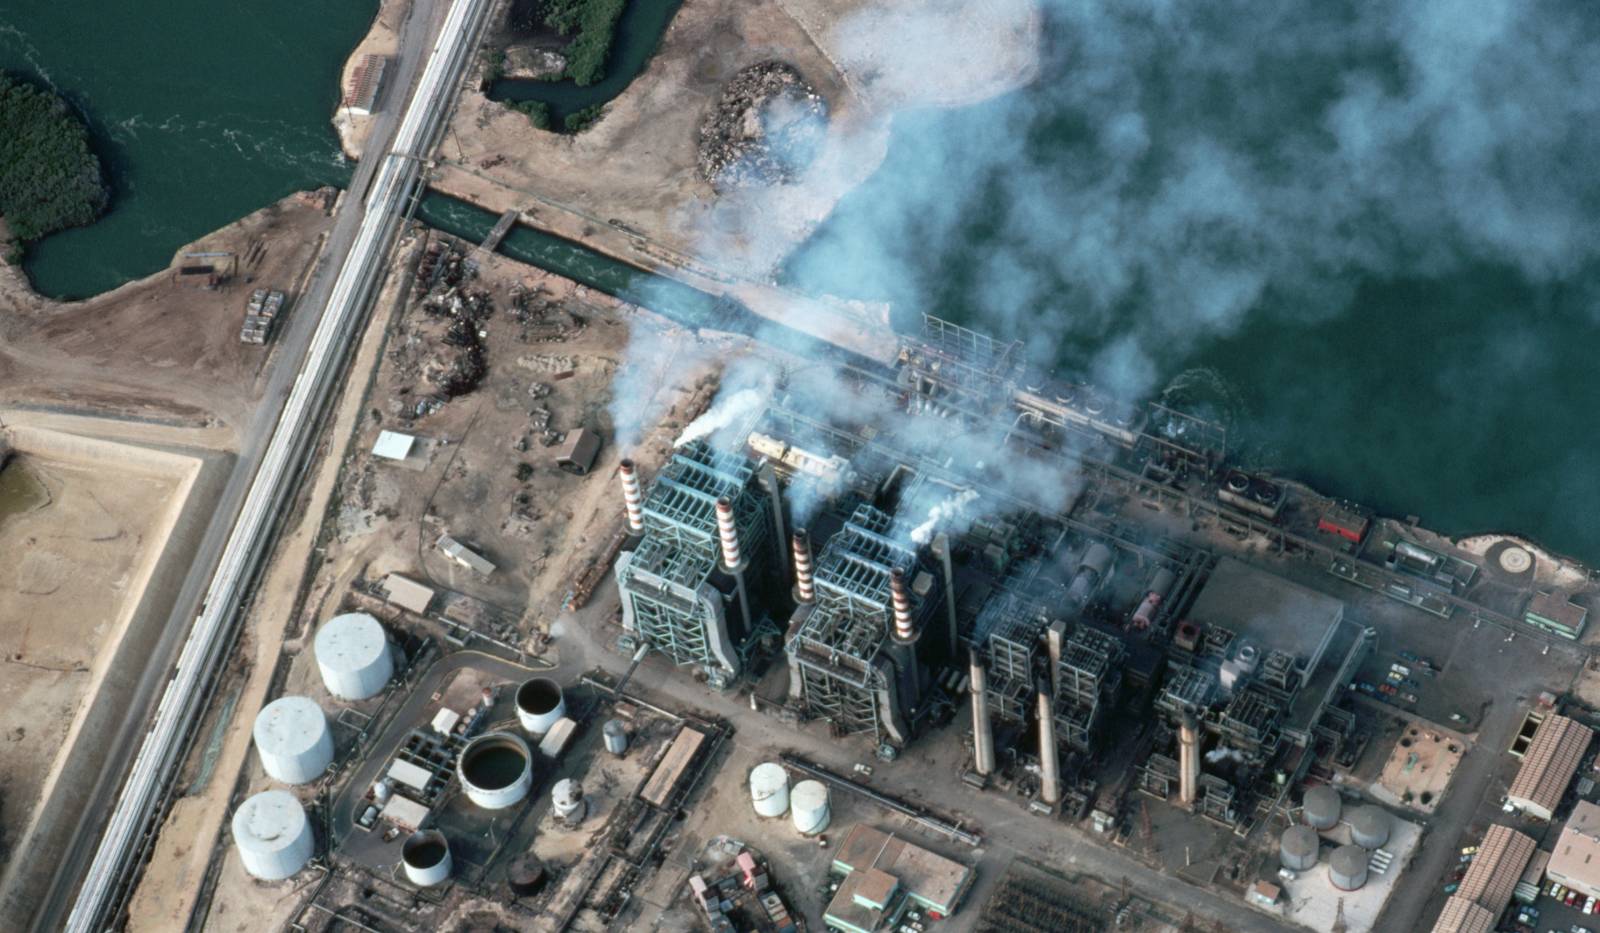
<point x="903" y="627"/>
<point x="632" y="496"/>
<point x="805" y="586"/>
<point x="1049" y="764"/>
<point x="1188" y="760"/>
<point x="729" y="533"/>
<point x="982" y="736"/>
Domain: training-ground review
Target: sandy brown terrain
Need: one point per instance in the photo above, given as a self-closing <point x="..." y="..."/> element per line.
<point x="155" y="348"/>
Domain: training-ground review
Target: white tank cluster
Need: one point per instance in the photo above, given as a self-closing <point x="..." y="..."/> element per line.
<point x="496" y="770"/>
<point x="1299" y="848"/>
<point x="769" y="789"/>
<point x="425" y="856"/>
<point x="273" y="835"/>
<point x="1369" y="826"/>
<point x="1320" y="807"/>
<point x="567" y="802"/>
<point x="292" y="738"/>
<point x="808" y="805"/>
<point x="540" y="705"/>
<point x="353" y="655"/>
<point x="1347" y="867"/>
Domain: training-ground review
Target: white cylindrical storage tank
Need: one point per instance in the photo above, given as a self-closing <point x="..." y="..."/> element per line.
<point x="292" y="738"/>
<point x="1369" y="827"/>
<point x="808" y="804"/>
<point x="566" y="800"/>
<point x="272" y="835"/>
<point x="496" y="770"/>
<point x="616" y="736"/>
<point x="1347" y="867"/>
<point x="1320" y="807"/>
<point x="381" y="792"/>
<point x="353" y="655"/>
<point x="1298" y="848"/>
<point x="540" y="705"/>
<point x="769" y="789"/>
<point x="426" y="858"/>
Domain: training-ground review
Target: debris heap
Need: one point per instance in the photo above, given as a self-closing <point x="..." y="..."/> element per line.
<point x="765" y="129"/>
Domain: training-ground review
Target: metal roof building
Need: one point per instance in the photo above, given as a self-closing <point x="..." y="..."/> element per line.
<point x="465" y="556"/>
<point x="1463" y="916"/>
<point x="1575" y="863"/>
<point x="868" y="856"/>
<point x="407" y="593"/>
<point x="1494" y="874"/>
<point x="392" y="445"/>
<point x="1547" y="768"/>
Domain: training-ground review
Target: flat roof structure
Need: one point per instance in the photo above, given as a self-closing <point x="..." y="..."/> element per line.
<point x="1575" y="862"/>
<point x="1556" y="614"/>
<point x="403" y="811"/>
<point x="1461" y="915"/>
<point x="928" y="878"/>
<point x="1548" y="766"/>
<point x="407" y="593"/>
<point x="392" y="445"/>
<point x="673" y="764"/>
<point x="876" y="888"/>
<point x="411" y="775"/>
<point x="465" y="556"/>
<point x="1268" y="611"/>
<point x="1494" y="873"/>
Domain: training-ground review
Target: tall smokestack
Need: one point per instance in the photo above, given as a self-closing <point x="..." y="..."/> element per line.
<point x="769" y="481"/>
<point x="805" y="585"/>
<point x="904" y="629"/>
<point x="941" y="547"/>
<point x="1188" y="760"/>
<point x="632" y="496"/>
<point x="1049" y="765"/>
<point x="982" y="730"/>
<point x="729" y="532"/>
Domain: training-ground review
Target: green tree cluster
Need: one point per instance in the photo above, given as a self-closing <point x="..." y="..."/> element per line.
<point x="537" y="111"/>
<point x="580" y="120"/>
<point x="595" y="25"/>
<point x="49" y="179"/>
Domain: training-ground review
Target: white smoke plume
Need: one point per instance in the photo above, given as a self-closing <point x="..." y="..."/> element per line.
<point x="944" y="512"/>
<point x="1224" y="754"/>
<point x="727" y="410"/>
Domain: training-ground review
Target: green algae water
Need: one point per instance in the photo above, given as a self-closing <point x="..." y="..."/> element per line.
<point x="199" y="112"/>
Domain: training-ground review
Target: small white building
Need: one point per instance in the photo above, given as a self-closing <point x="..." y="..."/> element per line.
<point x="392" y="445"/>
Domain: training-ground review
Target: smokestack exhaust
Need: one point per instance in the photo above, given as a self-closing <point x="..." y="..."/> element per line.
<point x="1188" y="760"/>
<point x="904" y="628"/>
<point x="982" y="730"/>
<point x="1049" y="764"/>
<point x="805" y="585"/>
<point x="632" y="496"/>
<point x="729" y="533"/>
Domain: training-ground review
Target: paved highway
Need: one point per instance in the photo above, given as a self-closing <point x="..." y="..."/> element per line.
<point x="273" y="453"/>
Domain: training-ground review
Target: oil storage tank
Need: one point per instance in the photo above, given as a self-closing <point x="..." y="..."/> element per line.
<point x="1347" y="867"/>
<point x="769" y="789"/>
<point x="808" y="805"/>
<point x="496" y="770"/>
<point x="616" y="737"/>
<point x="1321" y="807"/>
<point x="272" y="835"/>
<point x="1369" y="827"/>
<point x="540" y="705"/>
<point x="426" y="858"/>
<point x="353" y="655"/>
<point x="292" y="738"/>
<point x="1298" y="848"/>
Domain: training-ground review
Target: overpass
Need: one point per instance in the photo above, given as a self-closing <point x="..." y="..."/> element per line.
<point x="141" y="804"/>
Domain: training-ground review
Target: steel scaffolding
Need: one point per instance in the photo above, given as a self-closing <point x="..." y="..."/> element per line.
<point x="1008" y="631"/>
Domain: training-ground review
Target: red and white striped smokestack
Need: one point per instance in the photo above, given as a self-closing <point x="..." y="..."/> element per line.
<point x="632" y="496"/>
<point x="728" y="532"/>
<point x="903" y="627"/>
<point x="805" y="587"/>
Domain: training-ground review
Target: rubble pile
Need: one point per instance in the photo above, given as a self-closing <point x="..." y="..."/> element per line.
<point x="445" y="274"/>
<point x="765" y="129"/>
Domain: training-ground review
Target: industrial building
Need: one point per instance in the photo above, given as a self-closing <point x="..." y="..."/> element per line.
<point x="883" y="874"/>
<point x="1575" y="863"/>
<point x="1490" y="879"/>
<point x="859" y="649"/>
<point x="697" y="576"/>
<point x="1548" y="766"/>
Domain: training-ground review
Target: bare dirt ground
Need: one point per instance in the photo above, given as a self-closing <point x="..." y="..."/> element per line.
<point x="628" y="185"/>
<point x="156" y="348"/>
<point x="383" y="38"/>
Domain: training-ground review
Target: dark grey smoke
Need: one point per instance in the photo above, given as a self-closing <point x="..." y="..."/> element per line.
<point x="1180" y="164"/>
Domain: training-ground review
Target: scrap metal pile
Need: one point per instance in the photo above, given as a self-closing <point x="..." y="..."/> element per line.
<point x="445" y="273"/>
<point x="765" y="129"/>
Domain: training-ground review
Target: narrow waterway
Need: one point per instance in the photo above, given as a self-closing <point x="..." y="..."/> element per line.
<point x="639" y="31"/>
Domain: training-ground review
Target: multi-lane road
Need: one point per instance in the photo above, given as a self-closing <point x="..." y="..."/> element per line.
<point x="128" y="800"/>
